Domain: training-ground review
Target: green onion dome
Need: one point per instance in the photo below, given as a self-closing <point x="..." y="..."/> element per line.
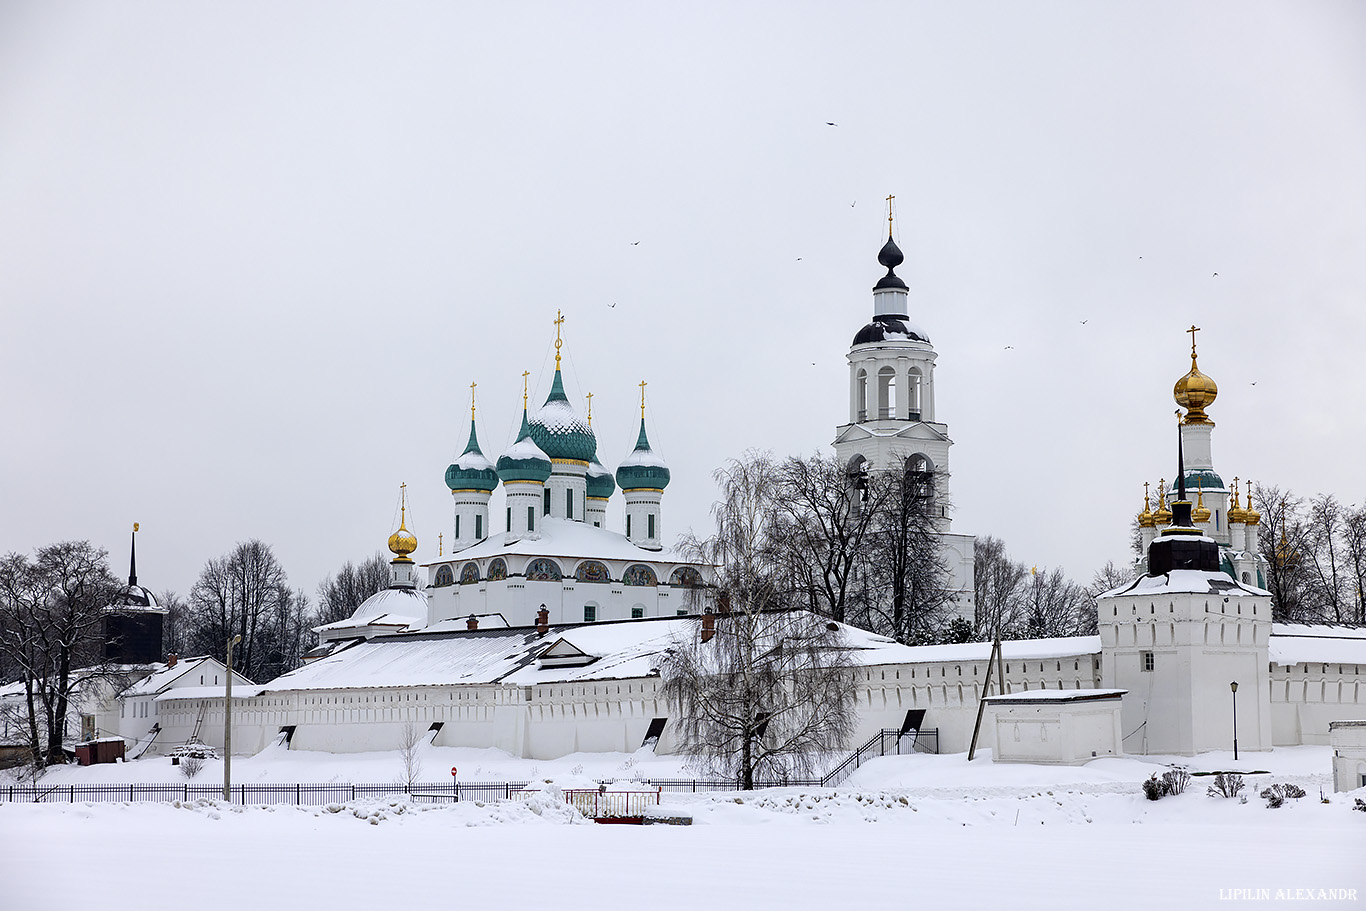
<point x="560" y="432"/>
<point x="600" y="483"/>
<point x="524" y="460"/>
<point x="642" y="469"/>
<point x="472" y="471"/>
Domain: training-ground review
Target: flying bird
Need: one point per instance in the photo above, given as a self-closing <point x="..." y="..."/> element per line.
<point x="854" y="203"/>
<point x="1085" y="321"/>
<point x="1008" y="347"/>
<point x="829" y="124"/>
<point x="635" y="243"/>
<point x="1216" y="275"/>
<point x="612" y="306"/>
<point x="799" y="259"/>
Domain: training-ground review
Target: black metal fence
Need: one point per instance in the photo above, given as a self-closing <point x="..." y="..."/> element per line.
<point x="884" y="743"/>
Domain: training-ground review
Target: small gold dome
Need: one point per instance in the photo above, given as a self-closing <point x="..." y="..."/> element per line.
<point x="1195" y="392"/>
<point x="1201" y="512"/>
<point x="1163" y="516"/>
<point x="1253" y="516"/>
<point x="402" y="542"/>
<point x="1236" y="514"/>
<point x="1146" y="519"/>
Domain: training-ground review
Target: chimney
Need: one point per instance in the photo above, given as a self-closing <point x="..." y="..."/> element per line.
<point x="708" y="626"/>
<point x="472" y="622"/>
<point x="723" y="602"/>
<point x="171" y="659"/>
<point x="542" y="621"/>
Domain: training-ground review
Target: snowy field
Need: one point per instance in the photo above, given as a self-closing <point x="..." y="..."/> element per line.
<point x="902" y="831"/>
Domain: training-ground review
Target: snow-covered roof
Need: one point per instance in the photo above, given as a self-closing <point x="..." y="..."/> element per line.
<point x="399" y="606"/>
<point x="569" y="540"/>
<point x="239" y="691"/>
<point x="525" y="450"/>
<point x="164" y="676"/>
<point x="1011" y="650"/>
<point x="622" y="649"/>
<point x="474" y="461"/>
<point x="646" y="458"/>
<point x="1030" y="697"/>
<point x="1296" y="643"/>
<point x="1189" y="581"/>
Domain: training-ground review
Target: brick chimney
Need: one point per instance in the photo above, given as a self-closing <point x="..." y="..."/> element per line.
<point x="708" y="626"/>
<point x="542" y="621"/>
<point x="472" y="622"/>
<point x="171" y="659"/>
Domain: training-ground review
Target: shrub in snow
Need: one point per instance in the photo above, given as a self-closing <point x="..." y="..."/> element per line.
<point x="1292" y="790"/>
<point x="1360" y="805"/>
<point x="1226" y="784"/>
<point x="1153" y="789"/>
<point x="1277" y="794"/>
<point x="1175" y="781"/>
<point x="190" y="766"/>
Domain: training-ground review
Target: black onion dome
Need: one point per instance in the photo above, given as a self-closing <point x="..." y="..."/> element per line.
<point x="889" y="328"/>
<point x="890" y="256"/>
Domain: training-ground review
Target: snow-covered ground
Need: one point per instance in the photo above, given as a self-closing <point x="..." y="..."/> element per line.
<point x="903" y="830"/>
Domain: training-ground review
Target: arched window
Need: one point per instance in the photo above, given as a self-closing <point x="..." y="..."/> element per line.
<point x="920" y="475"/>
<point x="444" y="576"/>
<point x="686" y="577"/>
<point x="592" y="571"/>
<point x="861" y="394"/>
<point x="469" y="573"/>
<point x="639" y="574"/>
<point x="914" y="381"/>
<point x="886" y="393"/>
<point x="498" y="570"/>
<point x="543" y="570"/>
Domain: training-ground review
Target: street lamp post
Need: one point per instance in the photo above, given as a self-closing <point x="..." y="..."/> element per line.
<point x="227" y="725"/>
<point x="1234" y="686"/>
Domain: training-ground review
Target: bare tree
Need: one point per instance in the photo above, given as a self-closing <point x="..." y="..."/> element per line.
<point x="1324" y="557"/>
<point x="176" y="627"/>
<point x="1054" y="605"/>
<point x="340" y="595"/>
<point x="52" y="612"/>
<point x="767" y="698"/>
<point x="772" y="689"/>
<point x="409" y="754"/>
<point x="997" y="582"/>
<point x="1107" y="578"/>
<point x="1283" y="541"/>
<point x="829" y="514"/>
<point x="238" y="594"/>
<point x="1354" y="554"/>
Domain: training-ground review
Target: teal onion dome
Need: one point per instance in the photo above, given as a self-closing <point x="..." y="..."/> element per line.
<point x="560" y="432"/>
<point x="472" y="471"/>
<point x="600" y="483"/>
<point x="642" y="469"/>
<point x="524" y="460"/>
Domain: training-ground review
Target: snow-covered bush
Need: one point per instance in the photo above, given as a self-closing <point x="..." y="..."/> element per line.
<point x="190" y="766"/>
<point x="1277" y="794"/>
<point x="1360" y="805"/>
<point x="1153" y="789"/>
<point x="1226" y="784"/>
<point x="1175" y="781"/>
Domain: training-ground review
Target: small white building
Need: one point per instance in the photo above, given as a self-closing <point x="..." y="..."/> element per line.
<point x="135" y="713"/>
<point x="1348" y="739"/>
<point x="1055" y="727"/>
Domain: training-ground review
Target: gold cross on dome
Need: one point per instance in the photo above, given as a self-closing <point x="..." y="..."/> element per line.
<point x="889" y="213"/>
<point x="559" y="320"/>
<point x="525" y="374"/>
<point x="590" y="409"/>
<point x="472" y="385"/>
<point x="1192" y="330"/>
<point x="642" y="399"/>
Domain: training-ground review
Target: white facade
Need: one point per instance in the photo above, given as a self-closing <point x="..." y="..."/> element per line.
<point x="1348" y="739"/>
<point x="1063" y="727"/>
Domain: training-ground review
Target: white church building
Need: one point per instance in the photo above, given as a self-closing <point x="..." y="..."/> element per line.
<point x="545" y="637"/>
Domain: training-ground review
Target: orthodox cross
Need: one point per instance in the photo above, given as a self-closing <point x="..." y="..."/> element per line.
<point x="642" y="400"/>
<point x="889" y="214"/>
<point x="438" y="543"/>
<point x="1192" y="330"/>
<point x="472" y="385"/>
<point x="590" y="409"/>
<point x="525" y="374"/>
<point x="559" y="319"/>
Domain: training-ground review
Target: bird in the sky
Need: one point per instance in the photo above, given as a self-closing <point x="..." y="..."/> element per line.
<point x="1008" y="347"/>
<point x="1085" y="321"/>
<point x="854" y="203"/>
<point x="612" y="306"/>
<point x="829" y="124"/>
<point x="1216" y="275"/>
<point x="635" y="243"/>
<point x="799" y="259"/>
<point x="1254" y="382"/>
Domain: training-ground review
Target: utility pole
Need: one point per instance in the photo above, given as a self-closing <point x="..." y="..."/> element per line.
<point x="227" y="725"/>
<point x="995" y="656"/>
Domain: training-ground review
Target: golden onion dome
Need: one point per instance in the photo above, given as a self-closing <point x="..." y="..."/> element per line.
<point x="1201" y="512"/>
<point x="1253" y="516"/>
<point x="1163" y="516"/>
<point x="1195" y="392"/>
<point x="1236" y="514"/>
<point x="1146" y="518"/>
<point x="403" y="542"/>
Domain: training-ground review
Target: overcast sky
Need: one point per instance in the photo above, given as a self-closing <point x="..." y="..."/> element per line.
<point x="253" y="254"/>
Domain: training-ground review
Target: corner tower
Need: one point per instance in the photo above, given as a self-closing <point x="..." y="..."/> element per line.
<point x="472" y="480"/>
<point x="642" y="477"/>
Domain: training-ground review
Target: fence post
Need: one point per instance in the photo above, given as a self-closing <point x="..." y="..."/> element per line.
<point x="73" y="794"/>
<point x="353" y="793"/>
<point x="297" y="801"/>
